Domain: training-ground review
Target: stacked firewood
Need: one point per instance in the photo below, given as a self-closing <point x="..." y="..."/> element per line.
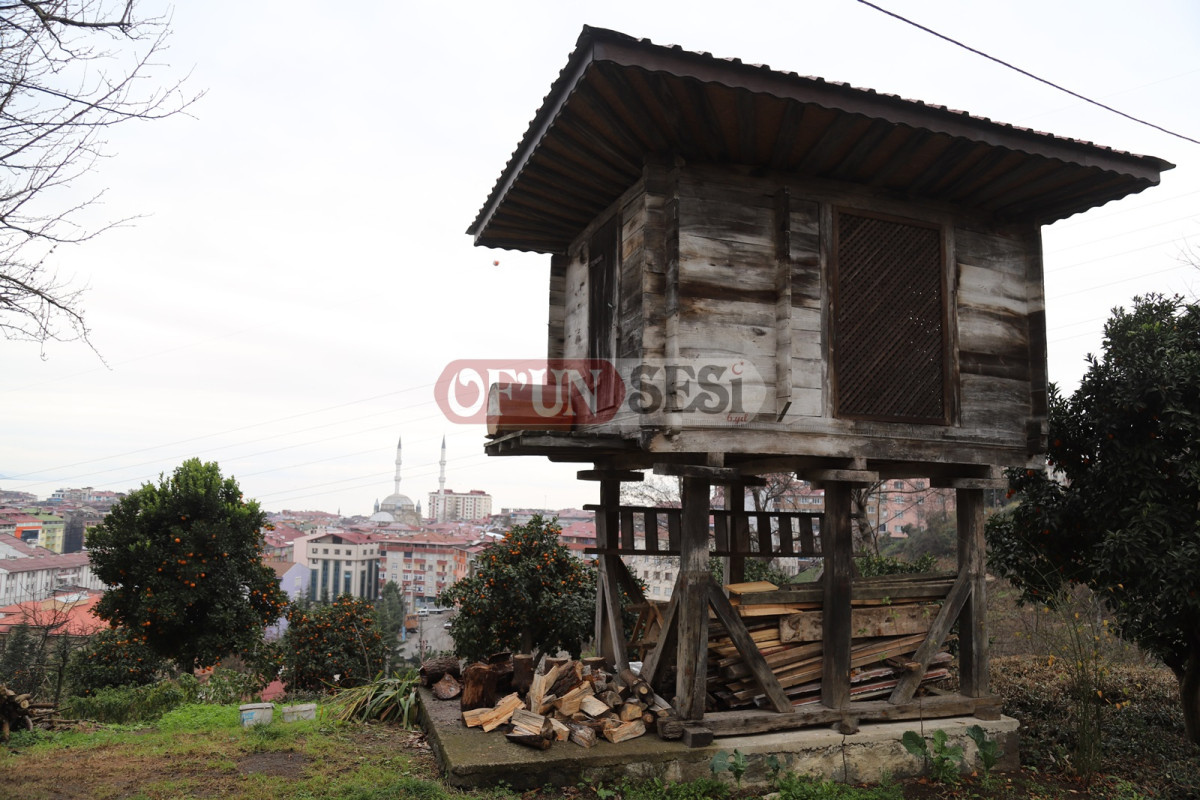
<point x="890" y="617"/>
<point x="567" y="700"/>
<point x="19" y="712"/>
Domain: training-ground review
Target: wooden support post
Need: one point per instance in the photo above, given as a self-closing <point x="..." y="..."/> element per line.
<point x="837" y="547"/>
<point x="972" y="628"/>
<point x="611" y="647"/>
<point x="739" y="532"/>
<point x="691" y="655"/>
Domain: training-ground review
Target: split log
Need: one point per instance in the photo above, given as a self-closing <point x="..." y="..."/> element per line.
<point x="540" y="687"/>
<point x="447" y="688"/>
<point x="568" y="704"/>
<point x="593" y="706"/>
<point x="631" y="711"/>
<point x="533" y="724"/>
<point x="561" y="731"/>
<point x="570" y="675"/>
<point x="625" y="731"/>
<point x="502" y="713"/>
<point x="581" y="734"/>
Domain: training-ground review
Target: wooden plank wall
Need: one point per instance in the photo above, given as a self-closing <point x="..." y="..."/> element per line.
<point x="993" y="329"/>
<point x="727" y="273"/>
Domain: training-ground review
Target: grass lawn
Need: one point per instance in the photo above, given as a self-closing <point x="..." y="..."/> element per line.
<point x="200" y="751"/>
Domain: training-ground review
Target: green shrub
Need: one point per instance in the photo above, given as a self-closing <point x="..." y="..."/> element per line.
<point x="226" y="686"/>
<point x="333" y="645"/>
<point x="870" y="566"/>
<point x="391" y="699"/>
<point x="126" y="704"/>
<point x="113" y="658"/>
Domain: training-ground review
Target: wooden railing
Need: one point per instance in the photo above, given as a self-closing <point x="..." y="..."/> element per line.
<point x="744" y="534"/>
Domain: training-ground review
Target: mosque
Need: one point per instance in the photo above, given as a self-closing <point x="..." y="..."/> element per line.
<point x="444" y="505"/>
<point x="397" y="507"/>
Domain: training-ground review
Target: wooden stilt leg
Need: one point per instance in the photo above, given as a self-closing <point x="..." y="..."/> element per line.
<point x="836" y="545"/>
<point x="691" y="661"/>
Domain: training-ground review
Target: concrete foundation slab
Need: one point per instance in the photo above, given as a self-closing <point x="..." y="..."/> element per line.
<point x="471" y="758"/>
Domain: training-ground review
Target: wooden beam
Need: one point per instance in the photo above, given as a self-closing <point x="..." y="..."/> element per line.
<point x="709" y="474"/>
<point x="613" y="620"/>
<point x="837" y="545"/>
<point x="907" y="687"/>
<point x="734" y="723"/>
<point x="972" y="632"/>
<point x="749" y="650"/>
<point x="607" y="530"/>
<point x="839" y="476"/>
<point x="626" y="476"/>
<point x="691" y="656"/>
<point x="739" y="532"/>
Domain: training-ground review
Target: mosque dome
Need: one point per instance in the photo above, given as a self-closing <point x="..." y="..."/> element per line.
<point x="382" y="516"/>
<point x="396" y="502"/>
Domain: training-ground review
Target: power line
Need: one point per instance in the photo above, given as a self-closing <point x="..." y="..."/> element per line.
<point x="1028" y="74"/>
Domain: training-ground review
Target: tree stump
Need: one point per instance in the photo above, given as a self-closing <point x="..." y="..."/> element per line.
<point x="478" y="687"/>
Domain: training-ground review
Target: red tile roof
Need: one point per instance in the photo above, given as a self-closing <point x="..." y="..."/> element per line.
<point x="75" y="613"/>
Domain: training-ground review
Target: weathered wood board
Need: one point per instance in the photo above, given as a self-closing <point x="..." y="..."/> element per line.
<point x="871" y="621"/>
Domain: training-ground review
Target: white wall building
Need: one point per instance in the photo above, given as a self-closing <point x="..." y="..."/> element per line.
<point x="37" y="577"/>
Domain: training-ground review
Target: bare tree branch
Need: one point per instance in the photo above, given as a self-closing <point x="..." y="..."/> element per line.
<point x="69" y="69"/>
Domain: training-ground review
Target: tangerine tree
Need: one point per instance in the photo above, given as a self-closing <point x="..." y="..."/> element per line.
<point x="183" y="564"/>
<point x="1121" y="511"/>
<point x="336" y="643"/>
<point x="528" y="594"/>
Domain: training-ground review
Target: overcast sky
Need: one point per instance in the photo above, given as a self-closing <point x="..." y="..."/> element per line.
<point x="300" y="273"/>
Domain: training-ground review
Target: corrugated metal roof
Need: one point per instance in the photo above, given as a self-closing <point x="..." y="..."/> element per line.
<point x="620" y="100"/>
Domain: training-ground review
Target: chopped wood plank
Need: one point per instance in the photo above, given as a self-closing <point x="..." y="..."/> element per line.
<point x="473" y="717"/>
<point x="502" y="713"/>
<point x="751" y="587"/>
<point x="777" y="659"/>
<point x="593" y="706"/>
<point x="529" y="722"/>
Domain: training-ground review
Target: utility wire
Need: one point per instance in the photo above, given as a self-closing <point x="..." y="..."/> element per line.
<point x="1028" y="74"/>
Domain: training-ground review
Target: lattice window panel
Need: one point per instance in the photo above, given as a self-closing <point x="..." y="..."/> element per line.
<point x="889" y="321"/>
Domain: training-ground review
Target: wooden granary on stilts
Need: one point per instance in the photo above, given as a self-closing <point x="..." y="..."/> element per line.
<point x="785" y="275"/>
